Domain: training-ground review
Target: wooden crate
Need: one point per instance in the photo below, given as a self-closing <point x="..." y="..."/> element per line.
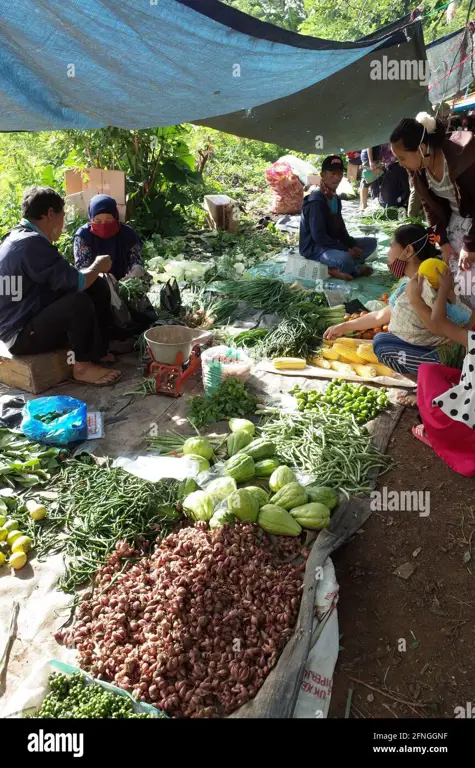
<point x="34" y="373"/>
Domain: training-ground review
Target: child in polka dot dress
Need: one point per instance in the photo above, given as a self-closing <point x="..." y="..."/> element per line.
<point x="446" y="396"/>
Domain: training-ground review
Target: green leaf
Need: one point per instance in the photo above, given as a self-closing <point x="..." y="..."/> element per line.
<point x="47" y="177"/>
<point x="467" y="556"/>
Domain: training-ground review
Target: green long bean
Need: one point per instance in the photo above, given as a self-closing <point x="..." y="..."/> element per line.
<point x="332" y="447"/>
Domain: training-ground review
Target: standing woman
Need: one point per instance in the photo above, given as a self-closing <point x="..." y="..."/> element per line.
<point x="104" y="234"/>
<point x="442" y="167"/>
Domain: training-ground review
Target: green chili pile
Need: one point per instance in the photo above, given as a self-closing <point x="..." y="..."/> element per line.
<point x="97" y="506"/>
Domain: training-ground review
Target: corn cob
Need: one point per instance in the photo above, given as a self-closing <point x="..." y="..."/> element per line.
<point x="365" y="352"/>
<point x="346" y="354"/>
<point x="343" y="368"/>
<point x="347" y="341"/>
<point x="383" y="370"/>
<point x="330" y="354"/>
<point x="320" y="362"/>
<point x="295" y="363"/>
<point x="368" y="371"/>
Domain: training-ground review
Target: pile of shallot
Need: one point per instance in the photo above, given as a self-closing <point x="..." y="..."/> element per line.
<point x="195" y="627"/>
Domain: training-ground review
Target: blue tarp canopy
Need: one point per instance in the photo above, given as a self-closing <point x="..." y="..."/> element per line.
<point x="142" y="63"/>
<point x="451" y="60"/>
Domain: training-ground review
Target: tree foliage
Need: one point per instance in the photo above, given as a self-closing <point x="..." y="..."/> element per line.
<point x="350" y="19"/>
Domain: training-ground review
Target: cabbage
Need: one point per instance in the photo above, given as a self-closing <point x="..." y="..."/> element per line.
<point x="221" y="488"/>
<point x="203" y="464"/>
<point x="198" y="506"/>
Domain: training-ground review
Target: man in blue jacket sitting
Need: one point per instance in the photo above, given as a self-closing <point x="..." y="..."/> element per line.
<point x="323" y="234"/>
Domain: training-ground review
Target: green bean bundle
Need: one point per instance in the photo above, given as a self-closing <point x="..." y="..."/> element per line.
<point x="330" y="446"/>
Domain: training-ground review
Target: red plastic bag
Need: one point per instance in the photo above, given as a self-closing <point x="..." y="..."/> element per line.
<point x="287" y="189"/>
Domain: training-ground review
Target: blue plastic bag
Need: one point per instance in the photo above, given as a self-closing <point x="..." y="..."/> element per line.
<point x="68" y="427"/>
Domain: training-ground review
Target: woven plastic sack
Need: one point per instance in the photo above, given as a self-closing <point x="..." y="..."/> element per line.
<point x="69" y="426"/>
<point x="287" y="188"/>
<point x="220" y="362"/>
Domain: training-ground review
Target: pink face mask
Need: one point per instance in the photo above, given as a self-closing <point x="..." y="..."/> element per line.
<point x="104" y="229"/>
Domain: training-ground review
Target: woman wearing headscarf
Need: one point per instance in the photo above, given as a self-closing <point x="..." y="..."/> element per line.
<point x="104" y="234"/>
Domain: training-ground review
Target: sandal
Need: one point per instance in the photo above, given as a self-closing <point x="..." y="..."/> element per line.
<point x="419" y="433"/>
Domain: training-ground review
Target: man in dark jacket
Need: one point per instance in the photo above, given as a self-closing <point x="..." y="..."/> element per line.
<point x="323" y="234"/>
<point x="45" y="302"/>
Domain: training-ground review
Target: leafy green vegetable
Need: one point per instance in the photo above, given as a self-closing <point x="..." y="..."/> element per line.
<point x="231" y="398"/>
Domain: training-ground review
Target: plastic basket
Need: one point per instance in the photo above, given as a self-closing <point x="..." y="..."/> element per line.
<point x="220" y="362"/>
<point x="306" y="270"/>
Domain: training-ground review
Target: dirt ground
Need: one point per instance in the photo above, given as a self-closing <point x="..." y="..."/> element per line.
<point x="433" y="671"/>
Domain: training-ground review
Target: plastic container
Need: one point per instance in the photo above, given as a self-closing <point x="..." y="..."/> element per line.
<point x="306" y="270"/>
<point x="172" y="344"/>
<point x="220" y="362"/>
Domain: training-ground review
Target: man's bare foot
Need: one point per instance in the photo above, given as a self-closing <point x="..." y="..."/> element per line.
<point x="365" y="271"/>
<point x="90" y="373"/>
<point x="339" y="275"/>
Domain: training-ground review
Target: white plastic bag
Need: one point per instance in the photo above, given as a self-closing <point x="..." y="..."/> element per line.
<point x="220" y="362"/>
<point x="315" y="693"/>
<point x="155" y="468"/>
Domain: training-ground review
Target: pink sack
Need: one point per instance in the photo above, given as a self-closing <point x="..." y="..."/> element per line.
<point x="287" y="188"/>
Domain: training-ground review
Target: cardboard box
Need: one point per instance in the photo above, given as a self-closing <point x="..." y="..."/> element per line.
<point x="122" y="210"/>
<point x="97" y="180"/>
<point x="34" y="373"/>
<point x="223" y="212"/>
<point x="80" y="200"/>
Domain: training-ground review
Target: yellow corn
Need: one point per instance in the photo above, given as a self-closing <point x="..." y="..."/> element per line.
<point x="347" y="341"/>
<point x="383" y="370"/>
<point x="296" y="363"/>
<point x="347" y="355"/>
<point x="320" y="362"/>
<point x="330" y="353"/>
<point x="368" y="371"/>
<point x="365" y="352"/>
<point x="343" y="368"/>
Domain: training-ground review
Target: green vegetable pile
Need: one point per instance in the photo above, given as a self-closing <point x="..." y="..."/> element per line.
<point x="47" y="418"/>
<point x="74" y="697"/>
<point x="345" y="398"/>
<point x="299" y="334"/>
<point x="330" y="446"/>
<point x="231" y="398"/>
<point x="26" y="463"/>
<point x="97" y="506"/>
<point x="132" y="289"/>
<point x="266" y="293"/>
